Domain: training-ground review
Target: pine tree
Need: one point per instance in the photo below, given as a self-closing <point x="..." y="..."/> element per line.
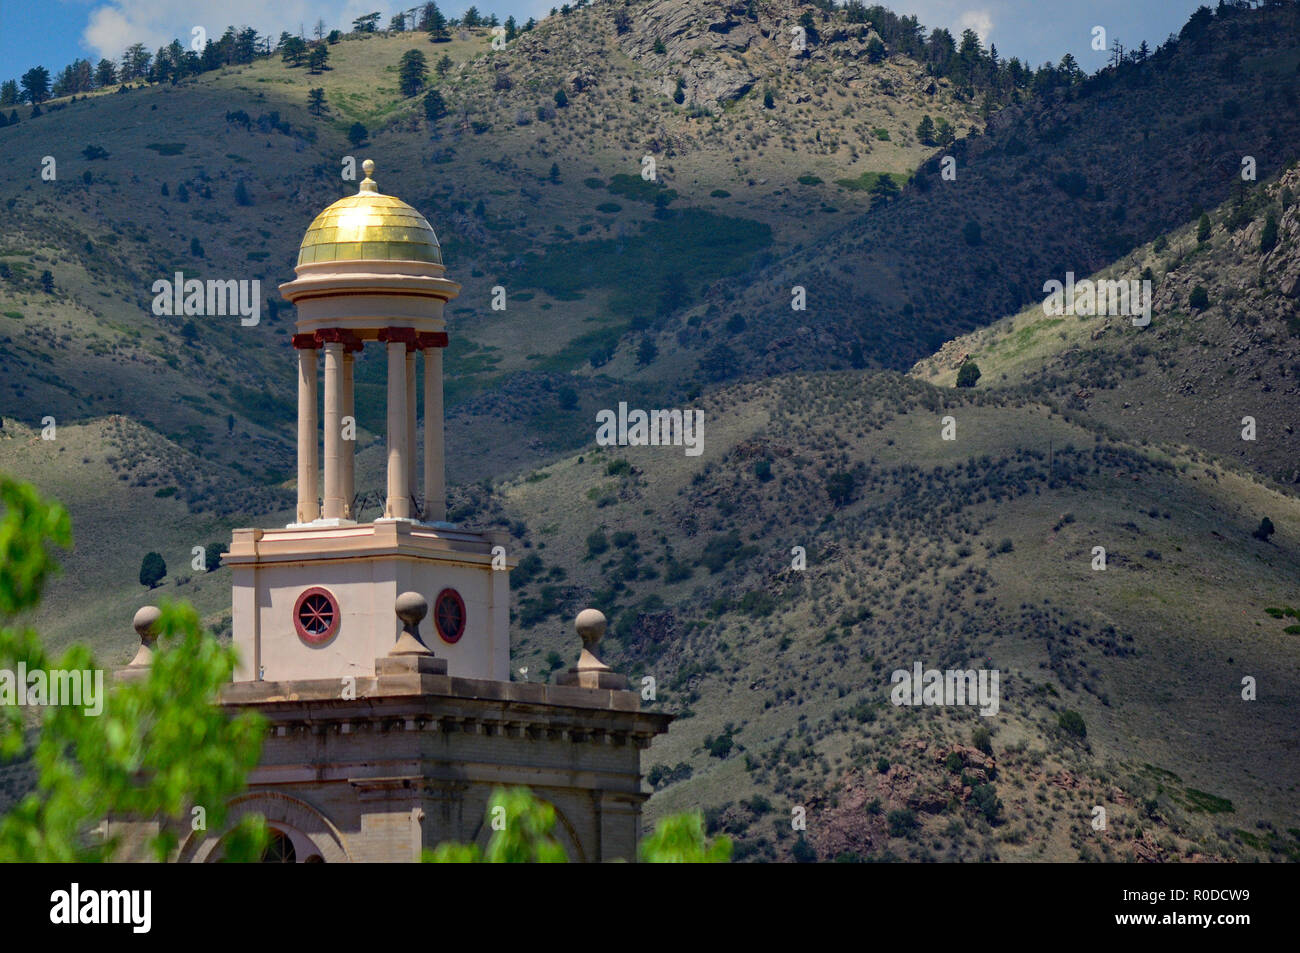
<point x="152" y="570"/>
<point x="434" y="106"/>
<point x="316" y="101"/>
<point x="412" y="72"/>
<point x="436" y="24"/>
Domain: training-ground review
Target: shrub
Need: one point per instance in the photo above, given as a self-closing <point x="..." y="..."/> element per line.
<point x="1200" y="298"/>
<point x="152" y="570"/>
<point x="1071" y="723"/>
<point x="901" y="822"/>
<point x="968" y="374"/>
<point x="597" y="543"/>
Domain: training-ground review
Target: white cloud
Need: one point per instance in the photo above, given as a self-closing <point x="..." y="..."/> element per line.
<point x="113" y="26"/>
<point x="981" y="21"/>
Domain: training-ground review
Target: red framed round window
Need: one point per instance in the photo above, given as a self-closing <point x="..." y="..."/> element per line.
<point x="316" y="616"/>
<point x="449" y="616"/>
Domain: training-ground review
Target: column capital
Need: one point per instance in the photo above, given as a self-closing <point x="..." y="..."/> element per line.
<point x="305" y="342"/>
<point x="398" y="335"/>
<point x="431" y="339"/>
<point x="338" y="336"/>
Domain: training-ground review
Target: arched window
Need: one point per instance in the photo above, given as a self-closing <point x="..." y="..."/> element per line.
<point x="279" y="849"/>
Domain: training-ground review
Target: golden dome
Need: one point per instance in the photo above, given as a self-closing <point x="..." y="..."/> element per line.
<point x="369" y="227"/>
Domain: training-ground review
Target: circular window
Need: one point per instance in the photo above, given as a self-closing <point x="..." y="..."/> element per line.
<point x="449" y="616"/>
<point x="316" y="616"/>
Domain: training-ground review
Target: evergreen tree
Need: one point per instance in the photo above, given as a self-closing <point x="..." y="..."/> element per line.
<point x="317" y="58"/>
<point x="293" y="51"/>
<point x="444" y="65"/>
<point x="316" y="101"/>
<point x="152" y="570"/>
<point x="357" y="134"/>
<point x="36" y="85"/>
<point x="434" y="106"/>
<point x="968" y="374"/>
<point x="437" y="24"/>
<point x="925" y="132"/>
<point x="412" y="72"/>
<point x="1203" y="228"/>
<point x="9" y="93"/>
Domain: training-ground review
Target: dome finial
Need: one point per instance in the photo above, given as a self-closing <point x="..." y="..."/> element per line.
<point x="368" y="184"/>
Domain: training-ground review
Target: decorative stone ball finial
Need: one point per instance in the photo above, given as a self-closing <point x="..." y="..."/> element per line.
<point x="410" y="607"/>
<point x="368" y="184"/>
<point x="146" y="626"/>
<point x="590" y="624"/>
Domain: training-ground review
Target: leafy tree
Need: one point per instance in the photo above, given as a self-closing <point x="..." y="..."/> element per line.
<point x="152" y="570"/>
<point x="334" y="37"/>
<point x="524" y="834"/>
<point x="365" y="24"/>
<point x="434" y="106"/>
<point x="36" y="85"/>
<point x="357" y="134"/>
<point x="1265" y="529"/>
<point x="158" y="747"/>
<point x="316" y="101"/>
<point x="680" y="839"/>
<point x="412" y="72"/>
<point x="968" y="373"/>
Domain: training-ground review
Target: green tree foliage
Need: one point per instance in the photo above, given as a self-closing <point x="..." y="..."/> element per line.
<point x="561" y="99"/>
<point x="968" y="373"/>
<point x="522" y="834"/>
<point x="434" y="106"/>
<point x="366" y="24"/>
<point x="317" y="58"/>
<point x="1199" y="298"/>
<point x="357" y="134"/>
<point x="158" y="747"/>
<point x="412" y="72"/>
<point x="36" y="85"/>
<point x="444" y="65"/>
<point x="680" y="839"/>
<point x="152" y="570"/>
<point x="925" y="132"/>
<point x="1203" y="228"/>
<point x="1268" y="237"/>
<point x="435" y="24"/>
<point x="9" y="93"/>
<point x="212" y="556"/>
<point x="293" y="50"/>
<point x="316" y="101"/>
<point x="1264" y="530"/>
<point x="1071" y="722"/>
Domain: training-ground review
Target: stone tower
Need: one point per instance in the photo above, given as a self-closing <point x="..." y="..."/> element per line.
<point x="385" y="740"/>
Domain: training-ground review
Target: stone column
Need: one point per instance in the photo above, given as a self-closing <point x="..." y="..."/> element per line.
<point x="412" y="481"/>
<point x="435" y="477"/>
<point x="308" y="504"/>
<point x="333" y="430"/>
<point x="399" y="496"/>
<point x="348" y="461"/>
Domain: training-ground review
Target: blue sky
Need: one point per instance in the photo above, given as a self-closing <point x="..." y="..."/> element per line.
<point x="54" y="32"/>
